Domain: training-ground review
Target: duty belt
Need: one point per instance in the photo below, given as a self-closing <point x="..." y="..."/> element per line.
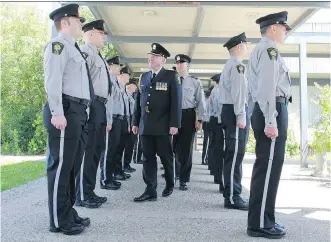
<point x="120" y="117"/>
<point x="188" y="110"/>
<point x="282" y="100"/>
<point x="77" y="100"/>
<point x="101" y="99"/>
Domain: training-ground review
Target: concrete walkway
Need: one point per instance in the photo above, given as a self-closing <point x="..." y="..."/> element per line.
<point x="198" y="214"/>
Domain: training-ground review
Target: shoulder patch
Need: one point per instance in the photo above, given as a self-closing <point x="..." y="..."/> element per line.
<point x="85" y="55"/>
<point x="241" y="68"/>
<point x="273" y="53"/>
<point x="57" y="48"/>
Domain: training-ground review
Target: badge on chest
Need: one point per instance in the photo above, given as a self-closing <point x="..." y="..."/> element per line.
<point x="161" y="86"/>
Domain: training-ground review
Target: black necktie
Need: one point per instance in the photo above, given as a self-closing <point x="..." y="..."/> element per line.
<point x="92" y="94"/>
<point x="110" y="85"/>
<point x="154" y="75"/>
<point x="181" y="80"/>
<point x="125" y="112"/>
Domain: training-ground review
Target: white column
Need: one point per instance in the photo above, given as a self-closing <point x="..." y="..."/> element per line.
<point x="303" y="105"/>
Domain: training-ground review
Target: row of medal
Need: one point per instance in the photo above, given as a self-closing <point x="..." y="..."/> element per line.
<point x="161" y="86"/>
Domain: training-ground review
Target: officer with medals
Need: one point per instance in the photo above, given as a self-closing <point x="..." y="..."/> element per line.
<point x="233" y="97"/>
<point x="193" y="104"/>
<point x="270" y="87"/>
<point x="69" y="91"/>
<point x="86" y="178"/>
<point x="156" y="118"/>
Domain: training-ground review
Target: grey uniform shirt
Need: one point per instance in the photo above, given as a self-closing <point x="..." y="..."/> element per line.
<point x="233" y="87"/>
<point x="98" y="70"/>
<point x="268" y="78"/>
<point x="215" y="107"/>
<point x="117" y="100"/>
<point x="65" y="72"/>
<point x="193" y="95"/>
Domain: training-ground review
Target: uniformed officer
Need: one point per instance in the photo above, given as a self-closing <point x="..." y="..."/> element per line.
<point x="270" y="86"/>
<point x="130" y="89"/>
<point x="86" y="178"/>
<point x="193" y="104"/>
<point x="217" y="149"/>
<point x="68" y="91"/>
<point x="157" y="116"/>
<point x="205" y="128"/>
<point x="117" y="125"/>
<point x="233" y="97"/>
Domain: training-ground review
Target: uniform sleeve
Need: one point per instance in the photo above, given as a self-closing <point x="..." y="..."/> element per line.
<point x="206" y="115"/>
<point x="201" y="100"/>
<point x="175" y="101"/>
<point x="238" y="91"/>
<point x="109" y="109"/>
<point x="267" y="83"/>
<point x="137" y="108"/>
<point x="55" y="60"/>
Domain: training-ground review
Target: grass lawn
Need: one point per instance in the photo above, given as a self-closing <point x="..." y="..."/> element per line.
<point x="17" y="174"/>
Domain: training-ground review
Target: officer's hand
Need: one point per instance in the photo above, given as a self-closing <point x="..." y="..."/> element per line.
<point x="108" y="127"/>
<point x="59" y="121"/>
<point x="271" y="133"/>
<point x="197" y="126"/>
<point x="173" y="130"/>
<point x="241" y="125"/>
<point x="135" y="129"/>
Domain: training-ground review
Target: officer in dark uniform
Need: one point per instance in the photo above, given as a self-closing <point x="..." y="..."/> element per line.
<point x="233" y="97"/>
<point x="193" y="104"/>
<point x="270" y="86"/>
<point x="68" y="91"/>
<point x="157" y="116"/>
<point x="86" y="178"/>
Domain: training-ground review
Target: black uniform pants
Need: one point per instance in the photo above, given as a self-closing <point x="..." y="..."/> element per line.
<point x="184" y="144"/>
<point x="157" y="145"/>
<point x="205" y="129"/>
<point x="128" y="148"/>
<point x="267" y="168"/>
<point x="86" y="177"/>
<point x="109" y="153"/>
<point x="235" y="139"/>
<point x="119" y="153"/>
<point x="138" y="151"/>
<point x="65" y="155"/>
<point x="212" y="143"/>
<point x="217" y="153"/>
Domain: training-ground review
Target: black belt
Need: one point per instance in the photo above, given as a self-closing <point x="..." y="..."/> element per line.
<point x="282" y="100"/>
<point x="188" y="110"/>
<point x="101" y="99"/>
<point x="120" y="117"/>
<point x="77" y="100"/>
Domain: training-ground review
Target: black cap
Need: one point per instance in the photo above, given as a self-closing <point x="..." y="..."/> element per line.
<point x="207" y="93"/>
<point x="133" y="81"/>
<point x="126" y="70"/>
<point x="216" y="78"/>
<point x="182" y="58"/>
<point x="158" y="49"/>
<point x="236" y="40"/>
<point x="69" y="10"/>
<point x="275" y="18"/>
<point x="115" y="60"/>
<point x="97" y="24"/>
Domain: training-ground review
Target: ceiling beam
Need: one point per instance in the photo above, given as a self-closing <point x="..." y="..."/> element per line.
<point x="197" y="28"/>
<point x="302" y="19"/>
<point x="95" y="11"/>
<point x="266" y="4"/>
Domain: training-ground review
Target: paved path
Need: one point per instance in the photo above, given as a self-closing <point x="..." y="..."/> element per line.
<point x="195" y="215"/>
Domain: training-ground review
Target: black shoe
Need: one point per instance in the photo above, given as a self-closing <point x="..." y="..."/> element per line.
<point x="183" y="186"/>
<point x="99" y="199"/>
<point x="272" y="233"/>
<point x="163" y="175"/>
<point x="70" y="229"/>
<point x="117" y="183"/>
<point x="89" y="203"/>
<point x="145" y="197"/>
<point x="279" y="225"/>
<point x="129" y="169"/>
<point x="239" y="204"/>
<point x="120" y="177"/>
<point x="110" y="186"/>
<point x="161" y="168"/>
<point x="167" y="191"/>
<point x="82" y="221"/>
<point x="217" y="181"/>
<point x="139" y="162"/>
